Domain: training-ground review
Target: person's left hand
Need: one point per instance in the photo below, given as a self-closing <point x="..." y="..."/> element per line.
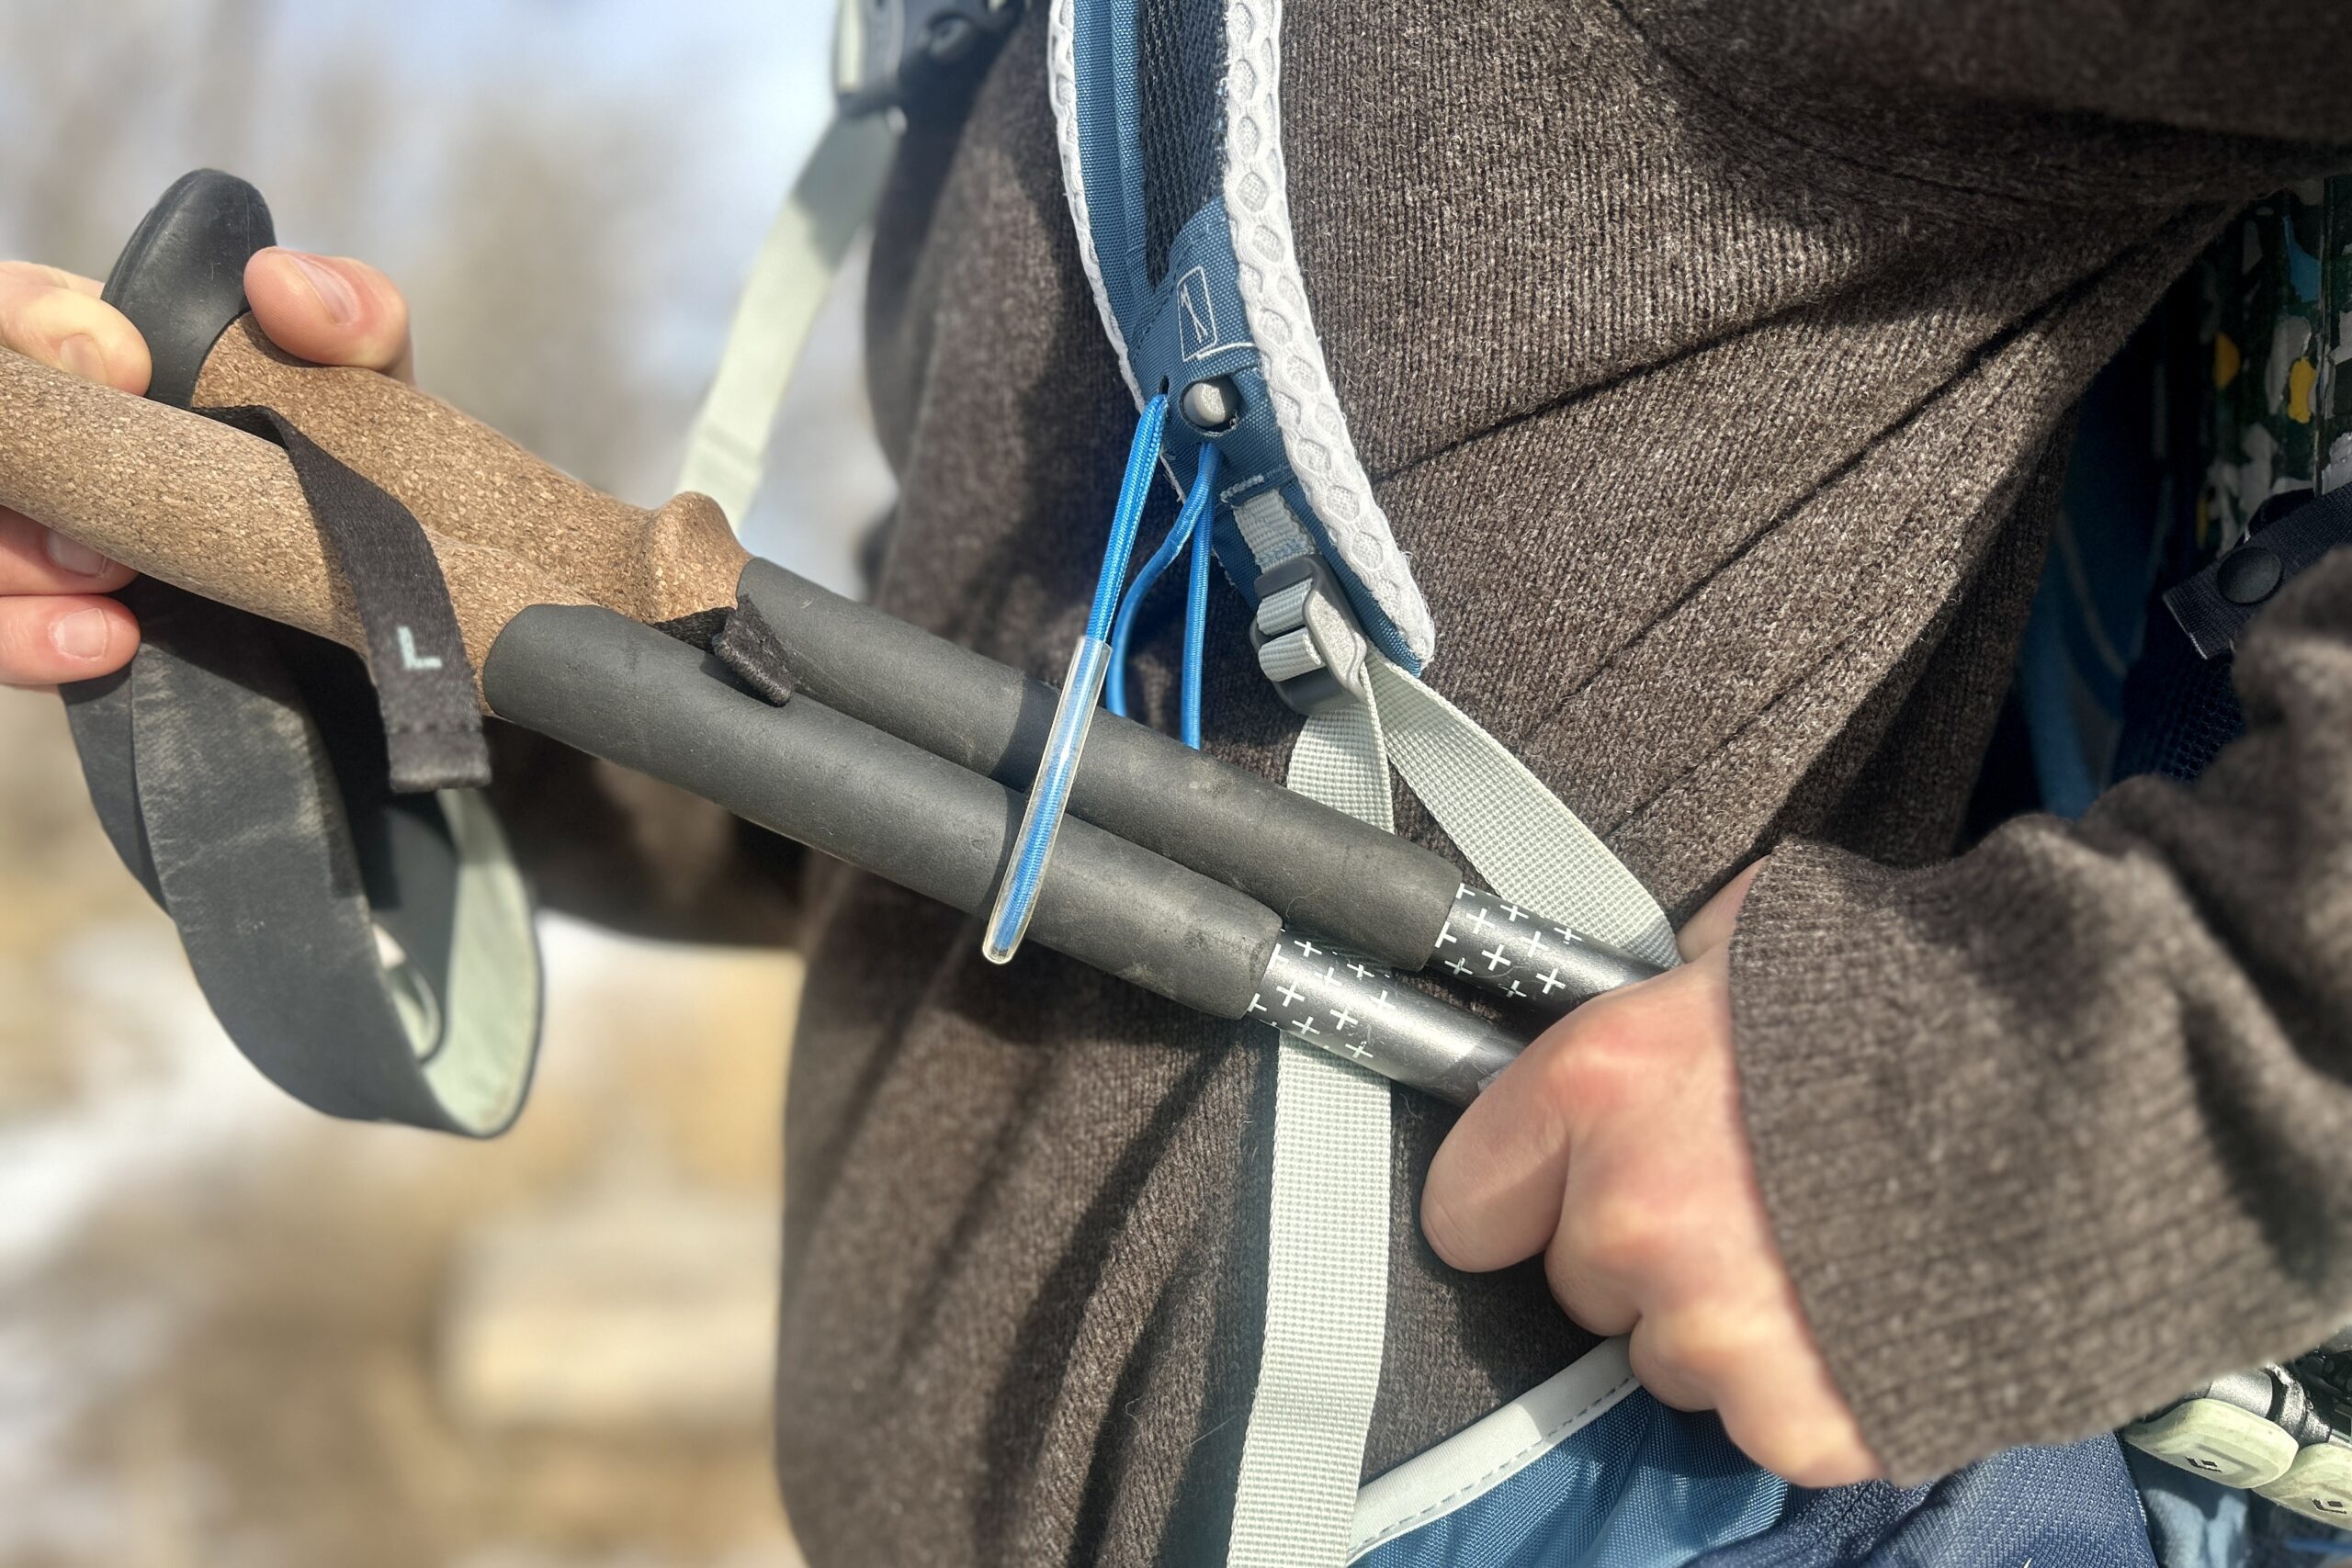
<point x="1613" y="1146"/>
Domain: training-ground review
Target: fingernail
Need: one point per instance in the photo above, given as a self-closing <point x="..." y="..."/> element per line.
<point x="333" y="291"/>
<point x="81" y="634"/>
<point x="82" y="356"/>
<point x="71" y="555"/>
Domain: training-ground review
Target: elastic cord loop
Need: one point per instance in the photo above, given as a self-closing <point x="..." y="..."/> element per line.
<point x="1197" y="600"/>
<point x="1189" y="527"/>
<point x="1143" y="459"/>
<point x="1016" y="898"/>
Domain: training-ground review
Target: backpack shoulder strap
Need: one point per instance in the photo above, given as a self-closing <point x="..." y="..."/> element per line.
<point x="1167" y="114"/>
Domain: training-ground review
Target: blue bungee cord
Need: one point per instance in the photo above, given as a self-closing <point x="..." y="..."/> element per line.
<point x="1196" y="595"/>
<point x="1192" y="525"/>
<point x="1016" y="898"/>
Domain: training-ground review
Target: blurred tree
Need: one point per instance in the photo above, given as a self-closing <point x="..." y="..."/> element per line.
<point x="516" y="222"/>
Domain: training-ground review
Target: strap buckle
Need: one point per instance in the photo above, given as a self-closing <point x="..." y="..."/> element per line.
<point x="889" y="53"/>
<point x="2214" y="607"/>
<point x="1306" y="637"/>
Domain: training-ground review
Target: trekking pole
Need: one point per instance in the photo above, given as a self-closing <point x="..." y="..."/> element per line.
<point x="583" y="617"/>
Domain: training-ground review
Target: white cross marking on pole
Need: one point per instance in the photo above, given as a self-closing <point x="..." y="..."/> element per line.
<point x="1566" y="935"/>
<point x="1515" y="913"/>
<point x="1551" y="980"/>
<point x="1291" y="995"/>
<point x="1513" y="989"/>
<point x="1457" y="966"/>
<point x="1357" y="1049"/>
<point x="1256" y="1004"/>
<point x="1446" y="937"/>
<point x="1495" y="959"/>
<point x="1360" y="970"/>
<point x="1535" y="939"/>
<point x="1305" y="948"/>
<point x="1479" y="923"/>
<point x="1306" y="1027"/>
<point x="1341" y="1017"/>
<point x="1384" y="1006"/>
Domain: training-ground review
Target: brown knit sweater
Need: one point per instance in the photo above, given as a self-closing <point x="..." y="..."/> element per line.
<point x="1711" y="359"/>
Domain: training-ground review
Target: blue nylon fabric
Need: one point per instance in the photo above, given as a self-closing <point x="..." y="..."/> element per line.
<point x="1644" y="1486"/>
<point x="2198" y="1523"/>
<point x="2055" y="1508"/>
<point x="1193" y="328"/>
<point x="2194" y="1522"/>
<point x="2091" y="606"/>
<point x="1648" y="1487"/>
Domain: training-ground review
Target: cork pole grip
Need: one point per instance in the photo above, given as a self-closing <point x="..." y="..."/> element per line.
<point x="214" y="511"/>
<point x="465" y="482"/>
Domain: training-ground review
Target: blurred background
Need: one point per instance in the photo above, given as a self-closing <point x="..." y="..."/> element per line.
<point x="232" y="1332"/>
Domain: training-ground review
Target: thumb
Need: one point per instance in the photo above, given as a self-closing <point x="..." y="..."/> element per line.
<point x="329" y="310"/>
<point x="1710" y="928"/>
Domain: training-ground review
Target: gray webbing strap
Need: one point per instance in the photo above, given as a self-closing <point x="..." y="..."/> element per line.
<point x="416" y="654"/>
<point x="1271" y="530"/>
<point x="1525" y="845"/>
<point x="830" y="204"/>
<point x="1326" y="1289"/>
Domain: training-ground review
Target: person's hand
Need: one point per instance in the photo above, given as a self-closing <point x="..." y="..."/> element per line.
<point x="1613" y="1146"/>
<point x="56" y="620"/>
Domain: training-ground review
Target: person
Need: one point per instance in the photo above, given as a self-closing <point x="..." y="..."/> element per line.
<point x="1712" y="361"/>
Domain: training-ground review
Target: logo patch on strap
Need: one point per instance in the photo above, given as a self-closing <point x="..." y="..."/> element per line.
<point x="1197" y="333"/>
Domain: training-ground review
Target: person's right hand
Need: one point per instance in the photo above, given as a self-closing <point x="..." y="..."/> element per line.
<point x="56" y="620"/>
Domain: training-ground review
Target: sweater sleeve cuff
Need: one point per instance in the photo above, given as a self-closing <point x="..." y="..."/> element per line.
<point x="1968" y="1186"/>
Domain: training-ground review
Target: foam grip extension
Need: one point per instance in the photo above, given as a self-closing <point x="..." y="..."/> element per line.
<point x="620" y="690"/>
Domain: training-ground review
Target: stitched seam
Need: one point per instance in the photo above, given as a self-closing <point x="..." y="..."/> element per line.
<point x="1550" y="1436"/>
<point x="1514" y="418"/>
<point x="1796" y="687"/>
<point x="1781" y="519"/>
<point x="1723" y="100"/>
<point x="1797" y="682"/>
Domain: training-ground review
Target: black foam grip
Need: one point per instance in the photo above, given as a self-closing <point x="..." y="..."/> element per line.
<point x="1316" y="867"/>
<point x="182" y="277"/>
<point x="606" y="685"/>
